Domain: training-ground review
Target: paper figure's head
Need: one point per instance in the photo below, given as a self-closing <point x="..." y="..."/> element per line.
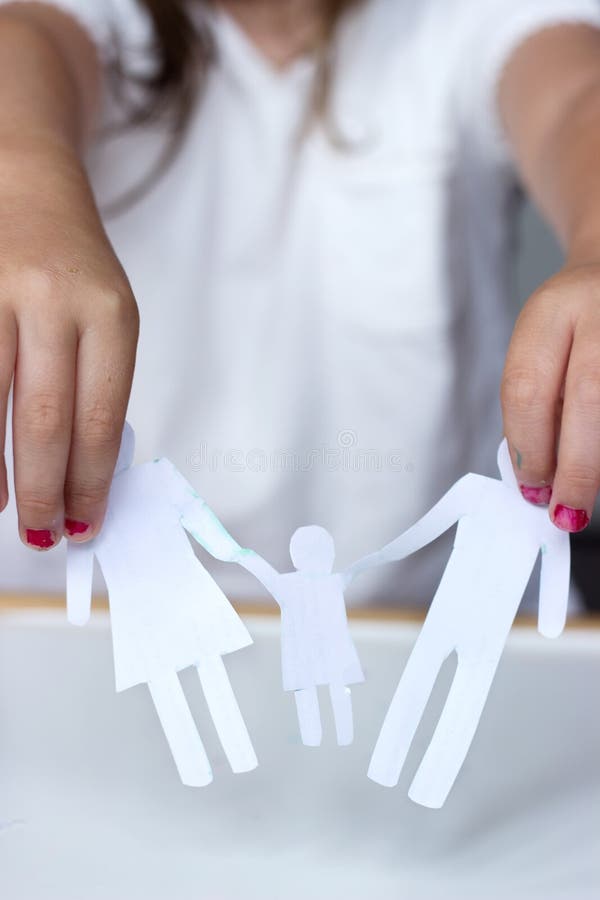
<point x="126" y="450"/>
<point x="505" y="465"/>
<point x="312" y="550"/>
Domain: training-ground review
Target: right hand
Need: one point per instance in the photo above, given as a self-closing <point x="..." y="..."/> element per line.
<point x="68" y="331"/>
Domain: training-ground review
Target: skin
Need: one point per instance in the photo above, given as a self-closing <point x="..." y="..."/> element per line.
<point x="68" y="319"/>
<point x="283" y="30"/>
<point x="69" y="322"/>
<point x="550" y="102"/>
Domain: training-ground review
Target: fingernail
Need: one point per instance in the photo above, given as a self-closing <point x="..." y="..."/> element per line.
<point x="74" y="527"/>
<point x="41" y="538"/>
<point x="568" y="519"/>
<point x="539" y="496"/>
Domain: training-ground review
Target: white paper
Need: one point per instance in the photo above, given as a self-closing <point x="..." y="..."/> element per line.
<point x="166" y="611"/>
<point x="316" y="646"/>
<point x="498" y="539"/>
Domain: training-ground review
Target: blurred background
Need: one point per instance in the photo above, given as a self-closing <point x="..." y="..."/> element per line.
<point x="540" y="256"/>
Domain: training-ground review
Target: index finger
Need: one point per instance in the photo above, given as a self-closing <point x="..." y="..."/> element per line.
<point x="577" y="478"/>
<point x="105" y="363"/>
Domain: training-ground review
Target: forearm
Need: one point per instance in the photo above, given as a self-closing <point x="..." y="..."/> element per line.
<point x="550" y="104"/>
<point x="567" y="183"/>
<point x="48" y="94"/>
<point x="48" y="80"/>
<point x="574" y="166"/>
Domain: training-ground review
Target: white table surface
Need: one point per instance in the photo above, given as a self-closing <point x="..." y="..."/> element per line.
<point x="91" y="807"/>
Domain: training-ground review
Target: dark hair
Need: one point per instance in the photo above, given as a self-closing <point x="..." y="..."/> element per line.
<point x="183" y="51"/>
<point x="179" y="48"/>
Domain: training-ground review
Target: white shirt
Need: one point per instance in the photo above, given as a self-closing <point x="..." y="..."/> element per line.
<point x="323" y="330"/>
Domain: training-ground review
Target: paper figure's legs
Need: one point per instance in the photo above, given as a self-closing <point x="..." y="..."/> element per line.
<point x="226" y="714"/>
<point x="180" y="730"/>
<point x="341" y="703"/>
<point x="405" y="710"/>
<point x="454" y="733"/>
<point x="309" y="716"/>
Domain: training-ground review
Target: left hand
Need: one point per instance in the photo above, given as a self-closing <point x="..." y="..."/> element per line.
<point x="551" y="395"/>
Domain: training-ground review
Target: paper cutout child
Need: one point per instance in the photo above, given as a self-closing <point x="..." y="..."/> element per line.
<point x="498" y="539"/>
<point x="166" y="611"/>
<point x="316" y="646"/>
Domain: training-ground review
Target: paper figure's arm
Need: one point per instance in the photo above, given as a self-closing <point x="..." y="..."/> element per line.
<point x="554" y="584"/>
<point x="259" y="567"/>
<point x="196" y="516"/>
<point x="80" y="569"/>
<point x="200" y="521"/>
<point x="454" y="504"/>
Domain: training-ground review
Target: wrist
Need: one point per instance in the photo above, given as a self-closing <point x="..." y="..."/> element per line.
<point x="34" y="161"/>
<point x="35" y="145"/>
<point x="584" y="246"/>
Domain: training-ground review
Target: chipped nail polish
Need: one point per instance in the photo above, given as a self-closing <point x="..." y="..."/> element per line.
<point x="74" y="527"/>
<point x="539" y="496"/>
<point x="568" y="519"/>
<point x="41" y="538"/>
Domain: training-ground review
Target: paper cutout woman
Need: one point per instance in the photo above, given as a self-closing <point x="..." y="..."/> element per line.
<point x="316" y="646"/>
<point x="498" y="539"/>
<point x="166" y="611"/>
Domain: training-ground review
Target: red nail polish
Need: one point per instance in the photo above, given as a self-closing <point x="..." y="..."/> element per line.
<point x="569" y="519"/>
<point x="39" y="537"/>
<point x="539" y="496"/>
<point x="73" y="526"/>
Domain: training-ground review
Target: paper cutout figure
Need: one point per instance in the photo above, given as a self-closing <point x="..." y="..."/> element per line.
<point x="166" y="611"/>
<point x="498" y="538"/>
<point x="316" y="646"/>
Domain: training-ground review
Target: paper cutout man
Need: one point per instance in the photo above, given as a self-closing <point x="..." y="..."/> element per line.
<point x="166" y="611"/>
<point x="498" y="539"/>
<point x="316" y="646"/>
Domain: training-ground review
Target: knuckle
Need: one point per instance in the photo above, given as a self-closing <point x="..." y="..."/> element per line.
<point x="119" y="307"/>
<point x="549" y="297"/>
<point x="44" y="419"/>
<point x="36" y="284"/>
<point x="586" y="389"/>
<point x="86" y="494"/>
<point x="580" y="476"/>
<point x="522" y="390"/>
<point x="99" y="429"/>
<point x="38" y="506"/>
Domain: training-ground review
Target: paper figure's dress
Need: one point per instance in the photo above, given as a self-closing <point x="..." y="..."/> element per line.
<point x="143" y="542"/>
<point x="316" y="646"/>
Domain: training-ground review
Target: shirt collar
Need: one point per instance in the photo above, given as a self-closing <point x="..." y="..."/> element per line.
<point x="244" y="62"/>
<point x="365" y="45"/>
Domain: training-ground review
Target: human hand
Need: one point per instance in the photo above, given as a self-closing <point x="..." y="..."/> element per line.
<point x="551" y="395"/>
<point x="68" y="332"/>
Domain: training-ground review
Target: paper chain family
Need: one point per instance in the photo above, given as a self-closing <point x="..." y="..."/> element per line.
<point x="167" y="613"/>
